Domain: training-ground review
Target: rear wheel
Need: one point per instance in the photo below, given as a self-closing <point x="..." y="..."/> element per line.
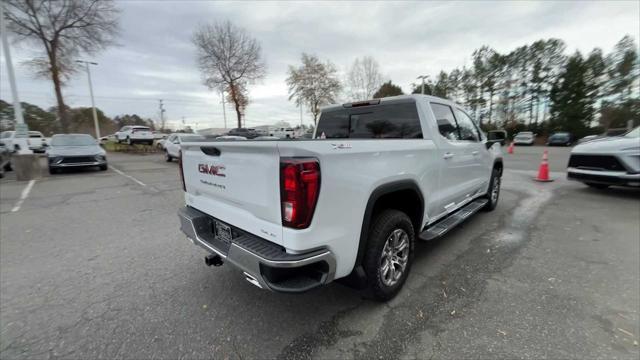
<point x="7" y="166"/>
<point x="53" y="171"/>
<point x="597" y="185"/>
<point x="389" y="254"/>
<point x="104" y="167"/>
<point x="494" y="191"/>
<point x="168" y="157"/>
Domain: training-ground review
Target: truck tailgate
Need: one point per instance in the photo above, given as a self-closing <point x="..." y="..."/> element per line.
<point x="236" y="182"/>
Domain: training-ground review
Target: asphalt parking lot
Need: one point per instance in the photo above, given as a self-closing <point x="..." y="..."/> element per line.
<point x="93" y="265"/>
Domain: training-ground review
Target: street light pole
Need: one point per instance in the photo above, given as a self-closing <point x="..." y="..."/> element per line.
<point x="17" y="109"/>
<point x="20" y="125"/>
<point x="93" y="104"/>
<point x="423" y="77"/>
<point x="224" y="110"/>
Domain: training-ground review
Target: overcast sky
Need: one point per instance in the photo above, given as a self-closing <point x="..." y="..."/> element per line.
<point x="156" y="59"/>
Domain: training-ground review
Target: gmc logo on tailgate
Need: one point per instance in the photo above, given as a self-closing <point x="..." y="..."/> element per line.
<point x="211" y="169"/>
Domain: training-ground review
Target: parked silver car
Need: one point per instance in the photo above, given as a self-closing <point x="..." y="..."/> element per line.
<point x="608" y="161"/>
<point x="74" y="151"/>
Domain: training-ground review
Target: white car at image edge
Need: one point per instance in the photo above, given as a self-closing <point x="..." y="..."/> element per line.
<point x="604" y="162"/>
<point x="173" y="143"/>
<point x="37" y="142"/>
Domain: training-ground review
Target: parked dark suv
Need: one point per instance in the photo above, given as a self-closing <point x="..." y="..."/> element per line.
<point x="248" y="133"/>
<point x="560" y="139"/>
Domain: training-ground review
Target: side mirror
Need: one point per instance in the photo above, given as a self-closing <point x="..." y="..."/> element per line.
<point x="489" y="143"/>
<point x="497" y="136"/>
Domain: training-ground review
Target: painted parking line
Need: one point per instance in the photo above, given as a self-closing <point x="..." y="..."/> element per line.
<point x="23" y="196"/>
<point x="128" y="176"/>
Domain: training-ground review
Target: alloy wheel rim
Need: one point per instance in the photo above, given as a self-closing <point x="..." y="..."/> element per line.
<point x="394" y="258"/>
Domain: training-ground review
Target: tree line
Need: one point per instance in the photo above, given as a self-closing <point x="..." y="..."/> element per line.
<point x="535" y="86"/>
<point x="81" y="119"/>
<point x="538" y="87"/>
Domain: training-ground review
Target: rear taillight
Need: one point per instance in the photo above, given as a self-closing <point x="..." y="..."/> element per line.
<point x="184" y="186"/>
<point x="299" y="189"/>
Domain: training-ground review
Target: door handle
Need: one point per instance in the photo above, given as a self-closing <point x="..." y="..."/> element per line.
<point x="448" y="155"/>
<point x="475" y="153"/>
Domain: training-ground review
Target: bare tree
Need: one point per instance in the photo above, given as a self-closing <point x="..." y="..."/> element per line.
<point x="313" y="83"/>
<point x="66" y="29"/>
<point x="363" y="78"/>
<point x="229" y="59"/>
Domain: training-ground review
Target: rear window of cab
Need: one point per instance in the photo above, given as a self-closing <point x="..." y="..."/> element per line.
<point x="382" y="121"/>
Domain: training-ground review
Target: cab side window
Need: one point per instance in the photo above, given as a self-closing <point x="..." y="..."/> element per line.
<point x="468" y="130"/>
<point x="446" y="121"/>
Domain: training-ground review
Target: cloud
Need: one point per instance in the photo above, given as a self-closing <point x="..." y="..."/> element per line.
<point x="156" y="59"/>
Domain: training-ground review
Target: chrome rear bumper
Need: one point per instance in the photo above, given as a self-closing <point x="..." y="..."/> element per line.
<point x="267" y="265"/>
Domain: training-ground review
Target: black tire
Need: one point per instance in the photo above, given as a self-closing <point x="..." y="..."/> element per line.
<point x="597" y="185"/>
<point x="168" y="157"/>
<point x="493" y="183"/>
<point x="104" y="167"/>
<point x="7" y="166"/>
<point x="385" y="224"/>
<point x="53" y="171"/>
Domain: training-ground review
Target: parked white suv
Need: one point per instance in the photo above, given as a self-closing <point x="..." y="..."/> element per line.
<point x="283" y="133"/>
<point x="134" y="134"/>
<point x="37" y="142"/>
<point x="294" y="215"/>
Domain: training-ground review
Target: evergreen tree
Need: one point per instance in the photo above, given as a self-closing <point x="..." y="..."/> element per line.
<point x="572" y="98"/>
<point x="388" y="89"/>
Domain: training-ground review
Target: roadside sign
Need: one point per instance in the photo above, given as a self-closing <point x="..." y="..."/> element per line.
<point x="22" y="131"/>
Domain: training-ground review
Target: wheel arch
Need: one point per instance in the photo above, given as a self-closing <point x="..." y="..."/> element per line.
<point x="403" y="195"/>
<point x="498" y="164"/>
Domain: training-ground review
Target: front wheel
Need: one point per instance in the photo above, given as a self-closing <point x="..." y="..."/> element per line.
<point x="104" y="167"/>
<point x="494" y="191"/>
<point x="7" y="166"/>
<point x="167" y="157"/>
<point x="389" y="254"/>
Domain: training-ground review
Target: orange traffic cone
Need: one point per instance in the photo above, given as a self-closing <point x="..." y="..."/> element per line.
<point x="543" y="170"/>
<point x="510" y="148"/>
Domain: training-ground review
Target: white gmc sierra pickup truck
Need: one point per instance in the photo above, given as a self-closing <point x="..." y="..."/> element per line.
<point x="349" y="204"/>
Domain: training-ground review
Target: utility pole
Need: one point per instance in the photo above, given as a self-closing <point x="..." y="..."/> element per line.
<point x="300" y="114"/>
<point x="19" y="125"/>
<point x="162" y="110"/>
<point x="17" y="108"/>
<point x="224" y="110"/>
<point x="423" y="77"/>
<point x="93" y="104"/>
<point x="25" y="162"/>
